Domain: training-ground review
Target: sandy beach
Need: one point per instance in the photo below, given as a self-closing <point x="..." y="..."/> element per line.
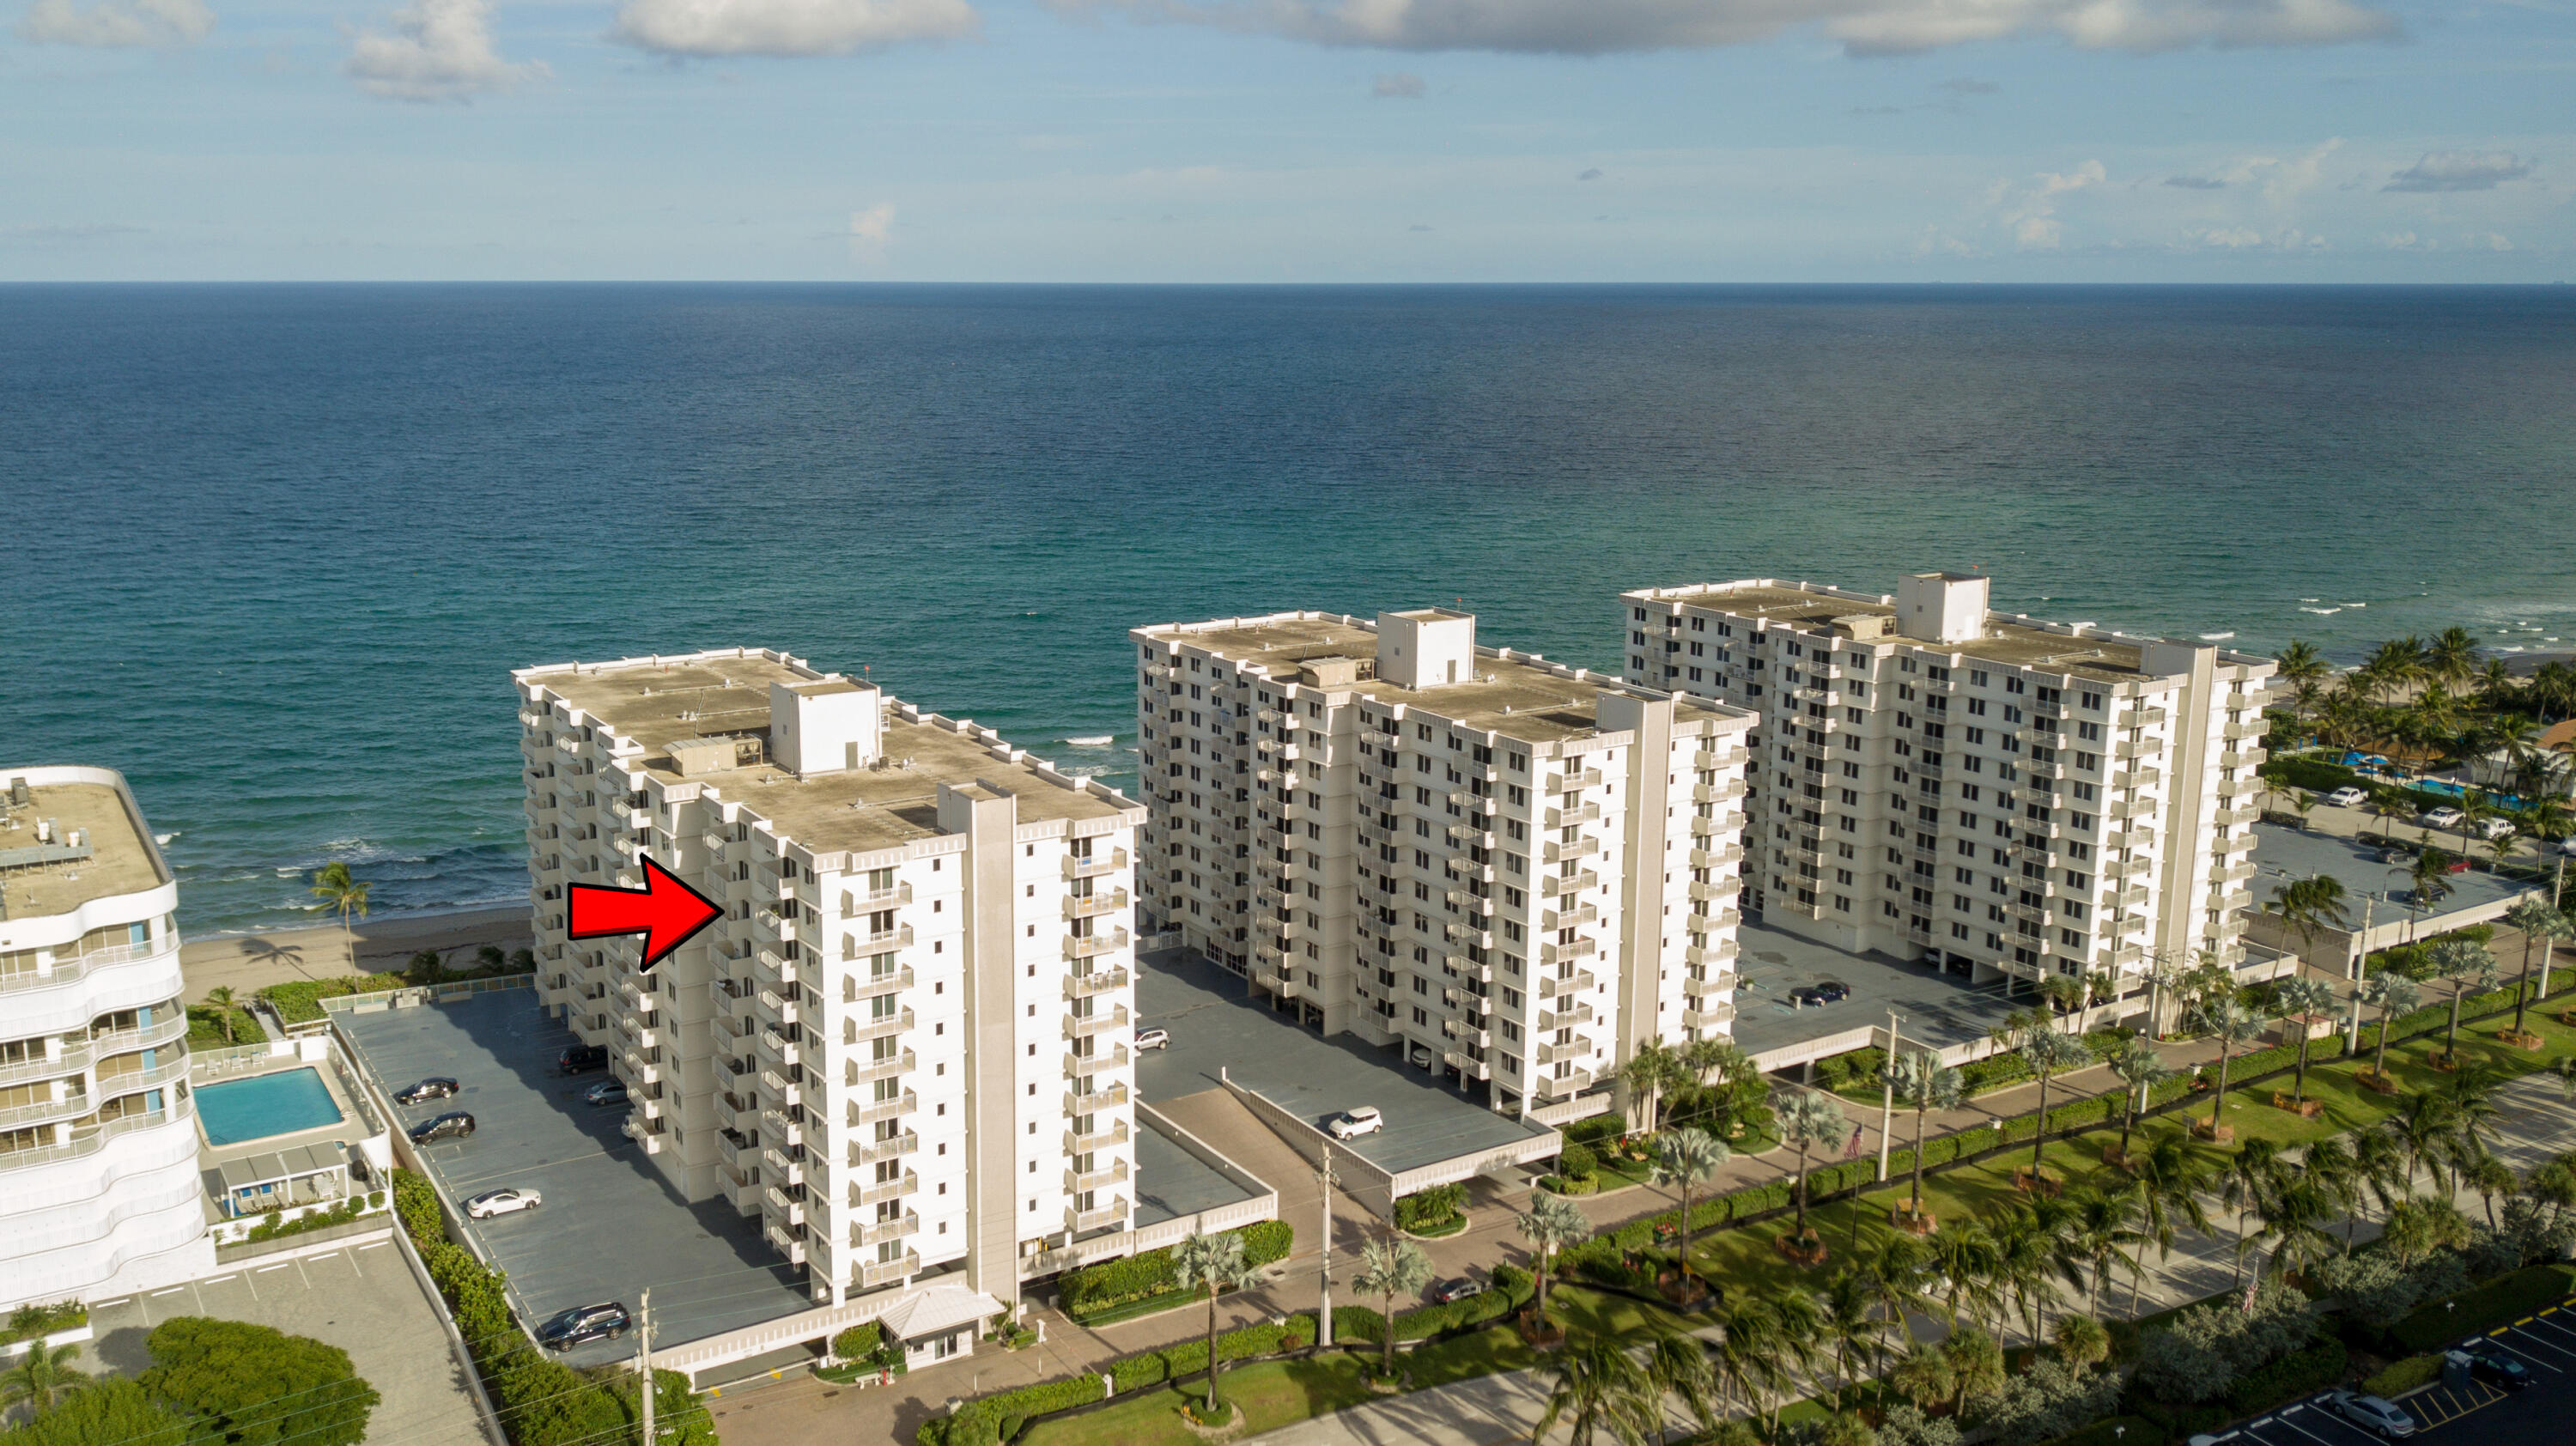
<point x="244" y="962"/>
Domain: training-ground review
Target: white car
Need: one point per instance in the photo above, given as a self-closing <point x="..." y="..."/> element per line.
<point x="2373" y="1414"/>
<point x="1153" y="1039"/>
<point x="508" y="1200"/>
<point x="2348" y="798"/>
<point x="2494" y="827"/>
<point x="2567" y="846"/>
<point x="1351" y="1124"/>
<point x="2444" y="817"/>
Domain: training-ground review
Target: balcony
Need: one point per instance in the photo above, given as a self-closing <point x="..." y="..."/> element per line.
<point x="1282" y="982"/>
<point x="1079" y="1221"/>
<point x="1480" y="937"/>
<point x="1092" y="946"/>
<point x="1711" y="1012"/>
<point x="1081" y="1144"/>
<point x="2232" y="873"/>
<point x="868" y="1114"/>
<point x="1078" y="1065"/>
<point x="875" y="984"/>
<point x="1092" y="867"/>
<point x="1466" y="999"/>
<point x="1113" y="1173"/>
<point x="1702" y="924"/>
<point x="1569" y="817"/>
<point x="1472" y="902"/>
<point x="1084" y="1026"/>
<point x="872" y="1194"/>
<point x="874" y="1070"/>
<point x="1709" y="760"/>
<point x="1092" y="906"/>
<point x="870" y="1152"/>
<point x="1566" y="1018"/>
<point x="1553" y="953"/>
<point x="1468" y="1066"/>
<point x="1559" y="851"/>
<point x="1466" y="1033"/>
<point x="1555" y="885"/>
<point x="1078" y="1103"/>
<point x="1566" y="1087"/>
<point x="881" y="1231"/>
<point x="887" y="1272"/>
<point x="898" y="937"/>
<point x="1098" y="981"/>
<point x="2140" y="777"/>
<point x="1717" y="792"/>
<point x="1580" y="980"/>
<point x="878" y="1026"/>
<point x="1569" y="782"/>
<point x="2240" y="843"/>
<point x="1716" y="858"/>
<point x="1708" y="828"/>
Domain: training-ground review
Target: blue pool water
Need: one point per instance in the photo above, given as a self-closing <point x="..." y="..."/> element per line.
<point x="272" y="1104"/>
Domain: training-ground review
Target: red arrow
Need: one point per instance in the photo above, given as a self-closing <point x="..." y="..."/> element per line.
<point x="665" y="911"/>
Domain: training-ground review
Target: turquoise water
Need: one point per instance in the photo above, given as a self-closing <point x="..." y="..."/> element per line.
<point x="273" y="550"/>
<point x="269" y="1104"/>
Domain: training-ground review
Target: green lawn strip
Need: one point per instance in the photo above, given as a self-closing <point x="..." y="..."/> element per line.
<point x="1270" y="1394"/>
<point x="206" y="1027"/>
<point x="1463" y="1358"/>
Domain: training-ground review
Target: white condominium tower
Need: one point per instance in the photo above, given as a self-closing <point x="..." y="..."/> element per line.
<point x="1936" y="780"/>
<point x="905" y="1045"/>
<point x="99" y="1191"/>
<point x="1516" y="870"/>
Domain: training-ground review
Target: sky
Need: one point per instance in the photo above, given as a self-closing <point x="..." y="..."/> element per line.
<point x="2202" y="141"/>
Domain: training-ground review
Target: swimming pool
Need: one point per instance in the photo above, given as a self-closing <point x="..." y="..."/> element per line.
<point x="271" y="1104"/>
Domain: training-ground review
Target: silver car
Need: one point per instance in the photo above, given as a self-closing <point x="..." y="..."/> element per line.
<point x="2374" y="1414"/>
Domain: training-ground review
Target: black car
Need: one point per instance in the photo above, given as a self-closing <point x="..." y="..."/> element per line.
<point x="1826" y="993"/>
<point x="581" y="1059"/>
<point x="582" y="1324"/>
<point x="2496" y="1366"/>
<point x="436" y="1087"/>
<point x="1448" y="1291"/>
<point x="455" y="1124"/>
<point x="606" y="1092"/>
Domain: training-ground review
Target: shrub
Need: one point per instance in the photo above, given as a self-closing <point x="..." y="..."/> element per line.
<point x="2206" y="1349"/>
<point x="2405" y="1376"/>
<point x="858" y="1341"/>
<point x="256" y="1385"/>
<point x="1578" y="1162"/>
<point x="1859" y="1067"/>
<point x="980" y="1422"/>
<point x="1993" y="1072"/>
<point x="2499" y="1301"/>
<point x="2374" y="1290"/>
<point x="1595" y="1129"/>
<point x="114" y="1410"/>
<point x="30" y="1321"/>
<point x="1139" y="1371"/>
<point x="1430" y="1209"/>
<point x="2049" y="1399"/>
<point x="1098" y="1288"/>
<point x="2296" y="1374"/>
<point x="1512" y="1282"/>
<point x="301" y="1002"/>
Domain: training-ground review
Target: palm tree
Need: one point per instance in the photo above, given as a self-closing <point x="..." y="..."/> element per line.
<point x="1847" y="1311"/>
<point x="1214" y="1263"/>
<point x="1976" y="1365"/>
<point x="2293" y="1000"/>
<point x="2331" y="1167"/>
<point x="2425" y="1127"/>
<point x="2171" y="1177"/>
<point x="41" y="1378"/>
<point x="2538" y="924"/>
<point x="2309" y="906"/>
<point x="1927" y="1084"/>
<point x="2491" y="1177"/>
<point x="2048" y="1053"/>
<point x="1753" y="1348"/>
<point x="2301" y="663"/>
<point x="2105" y="1220"/>
<point x="2418" y="1226"/>
<point x="1688" y="1158"/>
<point x="2254" y="1174"/>
<point x="1807" y="1119"/>
<point x="1389" y="1268"/>
<point x="2379" y="1163"/>
<point x="1679" y="1366"/>
<point x="340" y="894"/>
<point x="221" y="997"/>
<point x="1550" y="1224"/>
<point x="1924" y="1376"/>
<point x="2294" y="1219"/>
<point x="2141" y="1069"/>
<point x="1654" y="1068"/>
<point x="2428" y="882"/>
<point x="1965" y="1257"/>
<point x="2463" y="962"/>
<point x="2231" y="1024"/>
<point x="1896" y="1280"/>
<point x="2452" y="656"/>
<point x="2392" y="994"/>
<point x="2082" y="1342"/>
<point x="2390" y="808"/>
<point x="1598" y="1387"/>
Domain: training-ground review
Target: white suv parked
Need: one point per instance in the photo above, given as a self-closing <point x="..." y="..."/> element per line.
<point x="1351" y="1124"/>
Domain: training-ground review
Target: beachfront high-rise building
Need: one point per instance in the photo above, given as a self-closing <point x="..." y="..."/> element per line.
<point x="905" y="1046"/>
<point x="1936" y="780"/>
<point x="99" y="1192"/>
<point x="1514" y="871"/>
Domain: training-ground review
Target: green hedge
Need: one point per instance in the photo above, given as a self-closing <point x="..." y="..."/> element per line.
<point x="979" y="1422"/>
<point x="1432" y="1209"/>
<point x="2500" y="1301"/>
<point x="2313" y="775"/>
<point x="1093" y="1291"/>
<point x="2404" y="1376"/>
<point x="2296" y="1374"/>
<point x="274" y="1223"/>
<point x="1858" y="1067"/>
<point x="30" y="1321"/>
<point x="301" y="1001"/>
<point x="2113" y="1431"/>
<point x="1596" y="1129"/>
<point x="858" y="1340"/>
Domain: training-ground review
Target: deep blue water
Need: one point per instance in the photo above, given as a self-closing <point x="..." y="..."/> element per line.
<point x="273" y="550"/>
<point x="265" y="1105"/>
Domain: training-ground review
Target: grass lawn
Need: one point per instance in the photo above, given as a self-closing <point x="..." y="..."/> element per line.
<point x="1270" y="1394"/>
<point x="206" y="1027"/>
<point x="1461" y="1358"/>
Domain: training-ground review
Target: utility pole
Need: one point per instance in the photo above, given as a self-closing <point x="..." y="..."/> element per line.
<point x="1887" y="1106"/>
<point x="2360" y="957"/>
<point x="1324" y="1317"/>
<point x="644" y="1359"/>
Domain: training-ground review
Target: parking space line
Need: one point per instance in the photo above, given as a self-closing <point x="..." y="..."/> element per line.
<point x="2283" y="1419"/>
<point x="2522" y="1354"/>
<point x="2539" y="1342"/>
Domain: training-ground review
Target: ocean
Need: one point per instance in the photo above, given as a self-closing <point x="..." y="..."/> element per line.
<point x="273" y="550"/>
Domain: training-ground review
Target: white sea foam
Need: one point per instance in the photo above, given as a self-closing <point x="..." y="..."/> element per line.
<point x="2322" y="612"/>
<point x="2309" y="599"/>
<point x="1093" y="740"/>
<point x="163" y="839"/>
<point x="2215" y="637"/>
<point x="2356" y="605"/>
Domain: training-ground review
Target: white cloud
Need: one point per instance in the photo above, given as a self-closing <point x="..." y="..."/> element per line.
<point x="116" y="24"/>
<point x="2460" y="171"/>
<point x="787" y="27"/>
<point x="1402" y="85"/>
<point x="1593" y="27"/>
<point x="439" y="50"/>
<point x="2032" y="215"/>
<point x="873" y="225"/>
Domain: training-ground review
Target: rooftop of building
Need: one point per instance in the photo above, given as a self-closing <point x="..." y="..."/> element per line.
<point x="1940" y="1009"/>
<point x="1513" y="694"/>
<point x="2283" y="854"/>
<point x="42" y="879"/>
<point x="2011" y="640"/>
<point x="657" y="702"/>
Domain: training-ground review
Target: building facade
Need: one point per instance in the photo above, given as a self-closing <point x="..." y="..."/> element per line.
<point x="99" y="1190"/>
<point x="905" y="1046"/>
<point x="1513" y="871"/>
<point x="2002" y="795"/>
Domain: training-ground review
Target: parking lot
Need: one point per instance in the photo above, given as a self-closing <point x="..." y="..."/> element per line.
<point x="2537" y="1416"/>
<point x="1940" y="1009"/>
<point x="610" y="1225"/>
<point x="1219" y="1022"/>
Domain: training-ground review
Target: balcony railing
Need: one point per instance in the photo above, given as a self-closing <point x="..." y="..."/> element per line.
<point x="869" y="1113"/>
<point x="1113" y="1173"/>
<point x="1566" y="1087"/>
<point x="877" y="1069"/>
<point x="1107" y="1215"/>
<point x="874" y="984"/>
<point x="1078" y="1103"/>
<point x="1076" y="1144"/>
<point x="1092" y="946"/>
<point x="874" y="1193"/>
<point x="1078" y="1065"/>
<point x="878" y="1026"/>
<point x="870" y="1151"/>
<point x="1551" y="988"/>
<point x="887" y="1272"/>
<point x="1083" y="1026"/>
<point x="67" y="968"/>
<point x="1096" y="865"/>
<point x="1098" y="981"/>
<point x="1090" y="906"/>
